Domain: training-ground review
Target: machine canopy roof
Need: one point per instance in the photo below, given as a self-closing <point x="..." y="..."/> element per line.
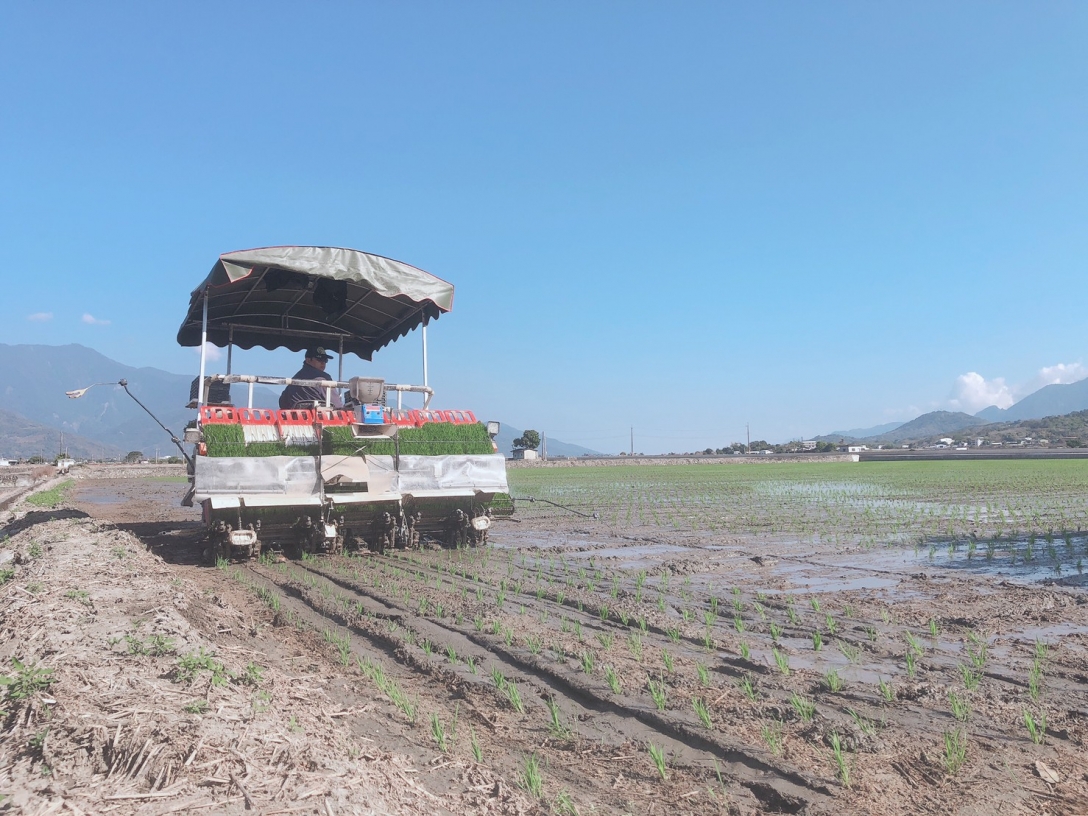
<point x="297" y="297"/>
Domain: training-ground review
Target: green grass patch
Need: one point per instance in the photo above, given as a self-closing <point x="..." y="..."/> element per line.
<point x="53" y="496"/>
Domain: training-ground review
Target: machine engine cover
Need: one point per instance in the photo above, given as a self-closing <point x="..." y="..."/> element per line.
<point x="330" y="532"/>
<point x="481" y="523"/>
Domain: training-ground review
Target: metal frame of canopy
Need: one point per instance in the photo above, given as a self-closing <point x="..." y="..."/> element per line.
<point x="358" y="301"/>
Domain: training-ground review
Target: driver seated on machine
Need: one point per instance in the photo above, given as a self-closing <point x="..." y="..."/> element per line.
<point x="304" y="396"/>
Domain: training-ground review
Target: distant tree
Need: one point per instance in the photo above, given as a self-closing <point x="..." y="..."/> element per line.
<point x="825" y="447"/>
<point x="1074" y="443"/>
<point x="133" y="456"/>
<point x="35" y="460"/>
<point x="529" y="440"/>
<point x="709" y="452"/>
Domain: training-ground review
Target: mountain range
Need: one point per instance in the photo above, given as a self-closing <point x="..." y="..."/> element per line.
<point x="508" y="433"/>
<point x="1058" y="400"/>
<point x="105" y="422"/>
<point x="1050" y="400"/>
<point x="36" y="378"/>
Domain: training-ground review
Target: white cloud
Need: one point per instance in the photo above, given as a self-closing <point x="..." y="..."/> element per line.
<point x="214" y="352"/>
<point x="1063" y="373"/>
<point x="972" y="392"/>
<point x="40" y="317"/>
<point x="91" y="320"/>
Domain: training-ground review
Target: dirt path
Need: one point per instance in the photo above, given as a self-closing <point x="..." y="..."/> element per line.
<point x="531" y="676"/>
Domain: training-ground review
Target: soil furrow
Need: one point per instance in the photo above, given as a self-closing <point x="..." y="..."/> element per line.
<point x="736" y="763"/>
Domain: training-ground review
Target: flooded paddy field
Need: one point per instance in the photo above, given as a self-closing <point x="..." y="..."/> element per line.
<point x="833" y="638"/>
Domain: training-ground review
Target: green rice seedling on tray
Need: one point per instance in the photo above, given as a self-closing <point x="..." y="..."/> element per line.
<point x="230" y="440"/>
<point x="432" y="439"/>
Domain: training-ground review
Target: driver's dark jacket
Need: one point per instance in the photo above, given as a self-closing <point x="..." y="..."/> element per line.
<point x="295" y="396"/>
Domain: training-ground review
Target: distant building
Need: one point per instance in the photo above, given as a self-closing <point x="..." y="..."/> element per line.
<point x="808" y="445"/>
<point x="524" y="453"/>
<point x="5" y="463"/>
<point x="857" y="448"/>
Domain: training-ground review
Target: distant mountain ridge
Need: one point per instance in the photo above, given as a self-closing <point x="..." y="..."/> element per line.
<point x="859" y="433"/>
<point x="1050" y="400"/>
<point x="37" y="376"/>
<point x="508" y="433"/>
<point x="1053" y="400"/>
<point x="928" y="428"/>
<point x="21" y="438"/>
<point x="935" y="423"/>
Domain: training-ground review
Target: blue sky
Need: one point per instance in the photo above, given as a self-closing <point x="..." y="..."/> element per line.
<point x="677" y="217"/>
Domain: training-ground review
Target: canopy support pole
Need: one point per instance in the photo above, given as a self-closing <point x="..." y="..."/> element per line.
<point x="230" y="346"/>
<point x="251" y="395"/>
<point x="425" y="357"/>
<point x="200" y="396"/>
<point x="340" y="372"/>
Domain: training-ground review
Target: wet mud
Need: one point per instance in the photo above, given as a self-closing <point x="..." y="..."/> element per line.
<point x="767" y="675"/>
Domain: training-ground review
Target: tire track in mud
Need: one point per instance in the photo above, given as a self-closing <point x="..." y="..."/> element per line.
<point x="622" y="715"/>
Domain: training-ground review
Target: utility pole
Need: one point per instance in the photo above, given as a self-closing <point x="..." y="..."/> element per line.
<point x="544" y="445"/>
<point x="748" y="434"/>
<point x="632" y="440"/>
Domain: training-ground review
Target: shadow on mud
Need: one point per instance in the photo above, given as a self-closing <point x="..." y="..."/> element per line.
<point x="176" y="542"/>
<point x="36" y="517"/>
